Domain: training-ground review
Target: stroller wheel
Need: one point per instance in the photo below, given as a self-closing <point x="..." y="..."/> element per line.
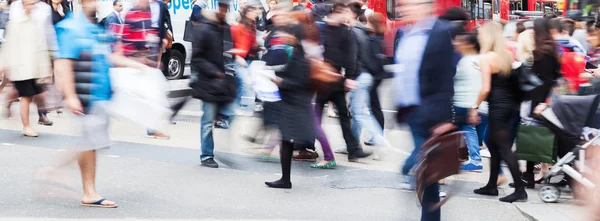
<point x="549" y="194"/>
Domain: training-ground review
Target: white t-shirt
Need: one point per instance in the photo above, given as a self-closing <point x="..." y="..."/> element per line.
<point x="467" y="81"/>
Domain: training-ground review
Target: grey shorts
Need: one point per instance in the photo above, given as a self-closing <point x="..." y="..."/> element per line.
<point x="94" y="126"/>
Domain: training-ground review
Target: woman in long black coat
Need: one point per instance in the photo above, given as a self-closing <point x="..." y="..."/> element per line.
<point x="296" y="126"/>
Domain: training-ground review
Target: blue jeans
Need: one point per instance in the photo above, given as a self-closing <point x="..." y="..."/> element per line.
<point x="209" y="116"/>
<point x="241" y="76"/>
<point x="360" y="107"/>
<point x="413" y="159"/>
<point x="472" y="144"/>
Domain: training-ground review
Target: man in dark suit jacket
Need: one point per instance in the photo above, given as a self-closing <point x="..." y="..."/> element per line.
<point x="424" y="83"/>
<point x="115" y="16"/>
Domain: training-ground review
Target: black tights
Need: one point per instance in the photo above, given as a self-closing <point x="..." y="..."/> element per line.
<point x="500" y="147"/>
<point x="286" y="152"/>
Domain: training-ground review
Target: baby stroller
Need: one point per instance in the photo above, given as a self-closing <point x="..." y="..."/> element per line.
<point x="567" y="118"/>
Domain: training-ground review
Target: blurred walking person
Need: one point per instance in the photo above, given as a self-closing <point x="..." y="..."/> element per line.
<point x="501" y="88"/>
<point x="26" y="59"/>
<point x="370" y="62"/>
<point x="341" y="52"/>
<point x="246" y="47"/>
<point x="313" y="50"/>
<point x="212" y="75"/>
<point x="41" y="12"/>
<point x="424" y="85"/>
<point x="296" y="122"/>
<point x="82" y="69"/>
<point x="142" y="39"/>
<point x="467" y="84"/>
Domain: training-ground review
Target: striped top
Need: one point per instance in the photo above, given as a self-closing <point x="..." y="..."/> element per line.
<point x="138" y="37"/>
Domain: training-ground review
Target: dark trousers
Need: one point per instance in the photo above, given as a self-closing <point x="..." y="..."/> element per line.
<point x="376" y="105"/>
<point x="431" y="195"/>
<point x="165" y="61"/>
<point x="339" y="100"/>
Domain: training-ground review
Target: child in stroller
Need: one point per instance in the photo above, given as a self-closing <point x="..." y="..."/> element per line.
<point x="566" y="118"/>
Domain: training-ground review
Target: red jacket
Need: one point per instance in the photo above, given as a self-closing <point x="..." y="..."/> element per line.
<point x="573" y="64"/>
<point x="244" y="40"/>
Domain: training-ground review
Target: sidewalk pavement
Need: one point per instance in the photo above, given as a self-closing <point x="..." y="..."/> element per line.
<point x="186" y="135"/>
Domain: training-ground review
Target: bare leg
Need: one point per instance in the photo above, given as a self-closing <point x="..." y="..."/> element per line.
<point x="25" y="101"/>
<point x="87" y="164"/>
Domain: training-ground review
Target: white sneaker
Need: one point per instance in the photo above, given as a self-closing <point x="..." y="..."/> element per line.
<point x="342" y="150"/>
<point x="442" y="194"/>
<point x="485" y="153"/>
<point x="258" y="108"/>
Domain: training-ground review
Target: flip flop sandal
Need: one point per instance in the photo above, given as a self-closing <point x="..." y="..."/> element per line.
<point x="99" y="204"/>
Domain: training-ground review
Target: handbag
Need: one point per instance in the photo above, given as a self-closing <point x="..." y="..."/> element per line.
<point x="169" y="39"/>
<point x="528" y="80"/>
<point x="188" y="31"/>
<point x="140" y="96"/>
<point x="440" y="157"/>
<point x="536" y="143"/>
<point x="51" y="99"/>
<point x="323" y="72"/>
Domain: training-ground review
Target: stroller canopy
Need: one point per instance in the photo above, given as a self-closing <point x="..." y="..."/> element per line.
<point x="573" y="112"/>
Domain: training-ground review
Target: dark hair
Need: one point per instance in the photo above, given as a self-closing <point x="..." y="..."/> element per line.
<point x="568" y="25"/>
<point x="520" y="27"/>
<point x="337" y="7"/>
<point x="115" y="2"/>
<point x="470" y="37"/>
<point x="550" y="15"/>
<point x="455" y="13"/>
<point x="554" y="24"/>
<point x="544" y="44"/>
<point x="249" y="24"/>
<point x="356" y="8"/>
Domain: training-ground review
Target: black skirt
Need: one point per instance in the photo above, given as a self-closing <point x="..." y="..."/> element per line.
<point x="28" y="88"/>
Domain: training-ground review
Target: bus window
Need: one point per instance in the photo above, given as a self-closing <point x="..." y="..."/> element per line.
<point x="390" y="6"/>
<point x="478" y="9"/>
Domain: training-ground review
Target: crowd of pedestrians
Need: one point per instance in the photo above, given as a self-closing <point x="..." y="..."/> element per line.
<point x="444" y="76"/>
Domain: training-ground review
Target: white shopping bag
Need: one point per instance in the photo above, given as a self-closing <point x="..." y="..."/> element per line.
<point x="265" y="89"/>
<point x="140" y="96"/>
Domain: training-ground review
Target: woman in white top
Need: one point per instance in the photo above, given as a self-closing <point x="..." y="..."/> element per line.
<point x="467" y="84"/>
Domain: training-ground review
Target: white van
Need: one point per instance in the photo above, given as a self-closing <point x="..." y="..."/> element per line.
<point x="180" y="13"/>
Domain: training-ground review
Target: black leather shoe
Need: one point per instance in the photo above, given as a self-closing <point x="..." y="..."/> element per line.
<point x="517" y="196"/>
<point x="279" y="184"/>
<point x="358" y="154"/>
<point x="487" y="191"/>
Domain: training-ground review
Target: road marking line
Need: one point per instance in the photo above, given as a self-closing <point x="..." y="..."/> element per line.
<point x="8" y="144"/>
